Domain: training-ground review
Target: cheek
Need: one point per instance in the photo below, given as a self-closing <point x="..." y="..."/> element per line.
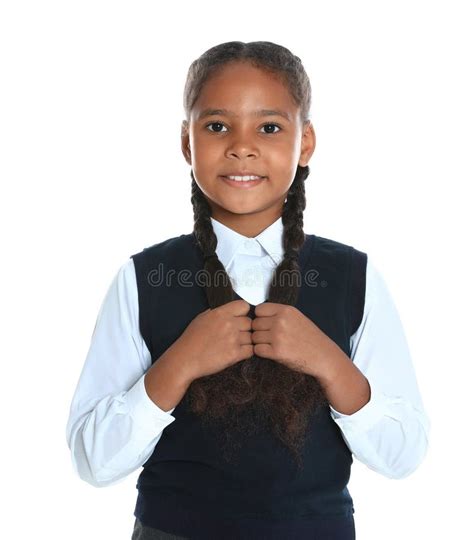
<point x="283" y="167"/>
<point x="207" y="155"/>
<point x="284" y="154"/>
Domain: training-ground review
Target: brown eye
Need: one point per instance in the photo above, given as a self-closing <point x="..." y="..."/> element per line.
<point x="272" y="132"/>
<point x="215" y="124"/>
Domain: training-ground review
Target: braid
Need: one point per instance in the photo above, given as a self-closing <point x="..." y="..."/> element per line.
<point x="293" y="239"/>
<point x="207" y="240"/>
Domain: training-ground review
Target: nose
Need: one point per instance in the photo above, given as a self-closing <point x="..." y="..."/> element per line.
<point x="241" y="147"/>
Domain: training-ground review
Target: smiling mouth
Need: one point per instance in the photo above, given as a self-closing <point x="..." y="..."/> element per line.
<point x="244" y="178"/>
<point x="243" y="181"/>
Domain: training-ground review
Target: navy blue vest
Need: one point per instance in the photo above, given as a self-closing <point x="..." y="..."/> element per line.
<point x="185" y="487"/>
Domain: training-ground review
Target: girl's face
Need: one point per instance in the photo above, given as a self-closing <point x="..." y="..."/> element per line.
<point x="246" y="136"/>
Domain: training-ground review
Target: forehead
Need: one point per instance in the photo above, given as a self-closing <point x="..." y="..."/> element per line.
<point x="242" y="88"/>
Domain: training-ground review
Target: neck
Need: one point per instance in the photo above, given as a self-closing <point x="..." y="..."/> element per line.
<point x="249" y="225"/>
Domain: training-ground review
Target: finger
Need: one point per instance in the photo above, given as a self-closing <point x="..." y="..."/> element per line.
<point x="247" y="351"/>
<point x="263" y="350"/>
<point x="268" y="309"/>
<point x="245" y="324"/>
<point x="261" y="336"/>
<point x="262" y="323"/>
<point x="239" y="307"/>
<point x="245" y="338"/>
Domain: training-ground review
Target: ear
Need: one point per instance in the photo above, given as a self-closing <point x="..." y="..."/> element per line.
<point x="185" y="148"/>
<point x="308" y="143"/>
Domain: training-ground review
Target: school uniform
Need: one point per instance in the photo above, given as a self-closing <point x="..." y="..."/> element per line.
<point x="185" y="488"/>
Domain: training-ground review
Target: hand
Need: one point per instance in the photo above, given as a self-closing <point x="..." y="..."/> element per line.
<point x="282" y="333"/>
<point x="216" y="339"/>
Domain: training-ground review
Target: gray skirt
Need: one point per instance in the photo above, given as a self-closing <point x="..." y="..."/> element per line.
<point x="142" y="532"/>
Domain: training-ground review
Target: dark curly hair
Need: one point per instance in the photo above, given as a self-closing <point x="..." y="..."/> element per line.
<point x="255" y="394"/>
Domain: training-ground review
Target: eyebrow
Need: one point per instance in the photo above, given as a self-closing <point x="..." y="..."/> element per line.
<point x="261" y="112"/>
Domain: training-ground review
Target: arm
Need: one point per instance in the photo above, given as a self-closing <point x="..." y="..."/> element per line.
<point x="386" y="428"/>
<point x="166" y="381"/>
<point x="113" y="424"/>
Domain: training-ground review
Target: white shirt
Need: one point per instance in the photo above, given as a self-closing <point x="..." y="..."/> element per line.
<point x="113" y="425"/>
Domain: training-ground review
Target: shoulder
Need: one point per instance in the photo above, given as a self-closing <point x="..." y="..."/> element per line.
<point x="169" y="250"/>
<point x="338" y="253"/>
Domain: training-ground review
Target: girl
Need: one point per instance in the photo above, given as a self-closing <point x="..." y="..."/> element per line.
<point x="245" y="409"/>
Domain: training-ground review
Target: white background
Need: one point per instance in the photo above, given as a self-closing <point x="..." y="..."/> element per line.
<point x="92" y="172"/>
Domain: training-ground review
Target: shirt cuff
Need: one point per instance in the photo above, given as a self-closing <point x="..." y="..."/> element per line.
<point x="144" y="410"/>
<point x="366" y="417"/>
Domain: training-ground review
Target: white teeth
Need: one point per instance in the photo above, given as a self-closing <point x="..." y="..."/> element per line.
<point x="244" y="178"/>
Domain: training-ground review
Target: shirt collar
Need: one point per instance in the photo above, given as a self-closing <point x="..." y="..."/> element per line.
<point x="230" y="242"/>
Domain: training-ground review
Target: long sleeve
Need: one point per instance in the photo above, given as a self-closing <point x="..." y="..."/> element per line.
<point x="113" y="425"/>
<point x="390" y="433"/>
